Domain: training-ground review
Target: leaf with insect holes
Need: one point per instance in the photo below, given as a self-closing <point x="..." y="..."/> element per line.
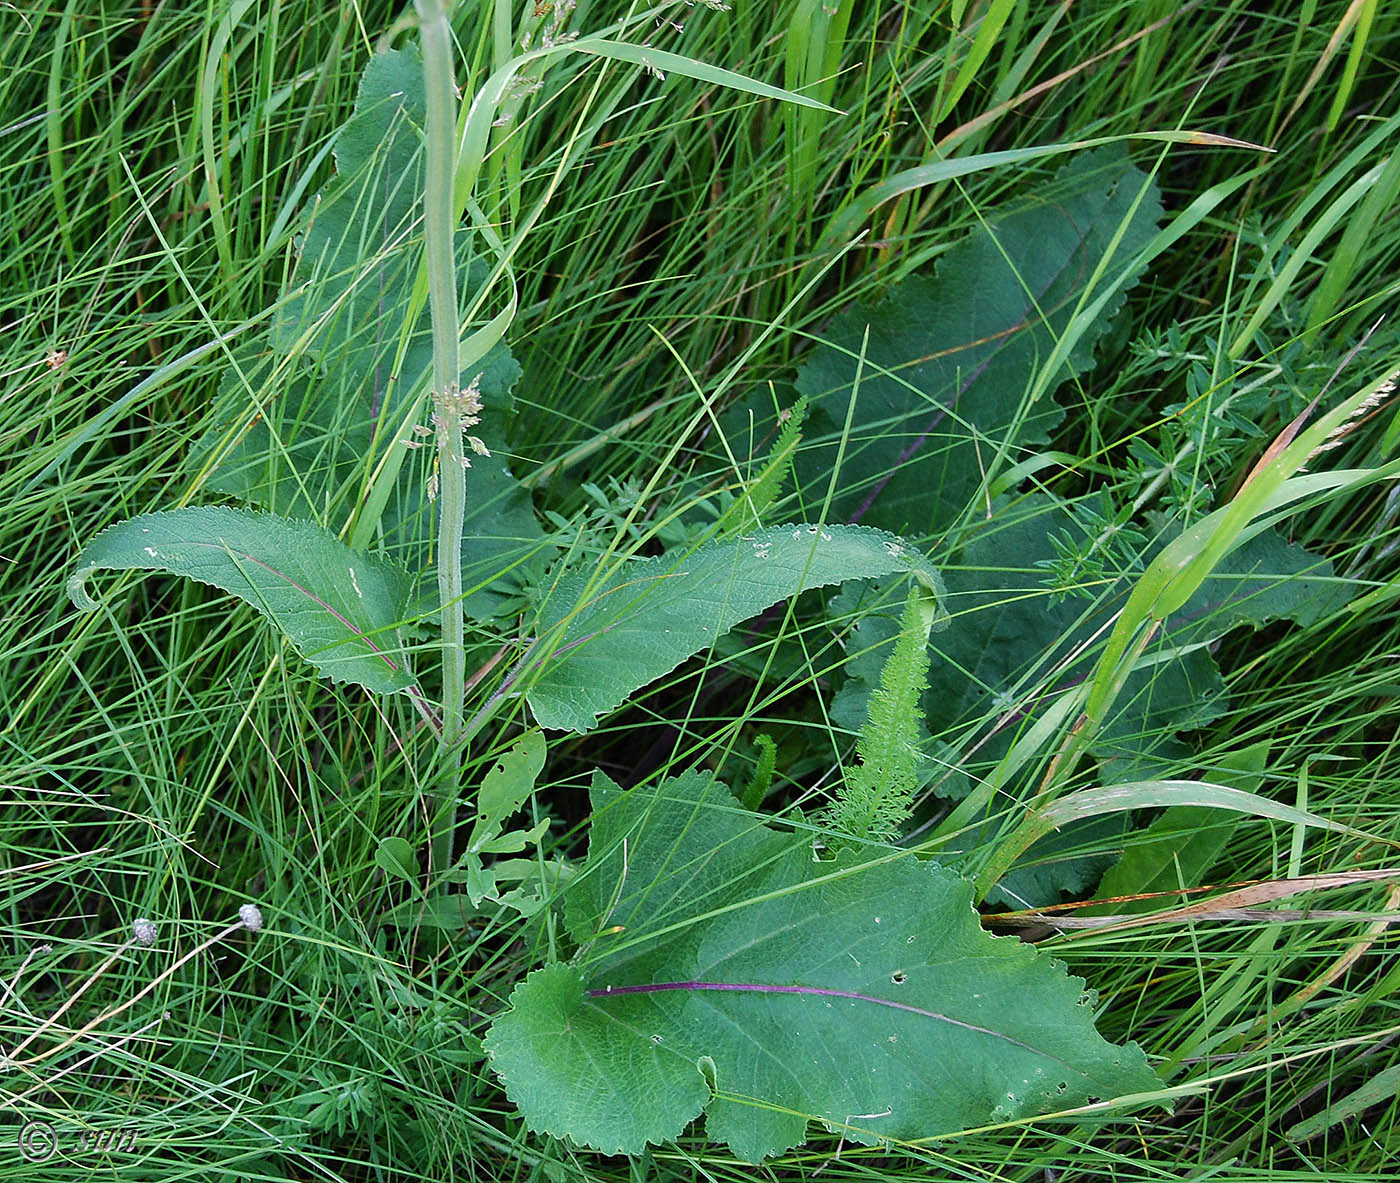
<point x="338" y="606"/>
<point x="725" y="971"/>
<point x="614" y="635"/>
<point x="504" y="788"/>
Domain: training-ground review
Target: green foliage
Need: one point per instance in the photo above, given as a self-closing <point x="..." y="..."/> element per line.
<point x="1013" y="645"/>
<point x="1014" y="652"/>
<point x="959" y="367"/>
<point x="340" y="607"/>
<point x="1043" y="818"/>
<point x="504" y="789"/>
<point x="762" y="780"/>
<point x="869" y="619"/>
<point x="358" y="257"/>
<point x="1380" y="1089"/>
<point x="610" y="636"/>
<point x="760" y="493"/>
<point x="340" y="1104"/>
<point x="1220" y="417"/>
<point x="323" y="420"/>
<point x="722" y="969"/>
<point x="1178" y="849"/>
<point x="1102" y="544"/>
<point x="155" y="187"/>
<point x="875" y="797"/>
<point x="395" y="857"/>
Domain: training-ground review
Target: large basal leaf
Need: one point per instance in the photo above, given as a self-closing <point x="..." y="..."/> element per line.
<point x="302" y="439"/>
<point x="725" y="970"/>
<point x="652" y="614"/>
<point x="338" y="606"/>
<point x="950" y="358"/>
<point x="1010" y="634"/>
<point x="1013" y="651"/>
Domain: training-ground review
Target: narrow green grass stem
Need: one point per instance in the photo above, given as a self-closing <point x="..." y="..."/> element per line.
<point x="447" y="399"/>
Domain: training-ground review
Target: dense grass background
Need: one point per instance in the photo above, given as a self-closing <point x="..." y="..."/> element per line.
<point x="167" y="758"/>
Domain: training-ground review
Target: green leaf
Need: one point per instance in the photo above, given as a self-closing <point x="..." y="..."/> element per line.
<point x="450" y="913"/>
<point x="504" y="788"/>
<point x="865" y="996"/>
<point x="867" y="616"/>
<point x="1380" y="1089"/>
<point x="871" y="621"/>
<point x="1265" y="578"/>
<point x="1010" y="635"/>
<point x="511" y="778"/>
<point x="859" y="207"/>
<point x="875" y="797"/>
<point x="760" y="493"/>
<point x="395" y="857"/>
<point x="306" y="439"/>
<point x="1179" y="848"/>
<point x="762" y="780"/>
<point x="1040" y="820"/>
<point x="359" y="255"/>
<point x="304" y="446"/>
<point x="1014" y="652"/>
<point x="516" y="840"/>
<point x="641" y="621"/>
<point x="950" y="368"/>
<point x="338" y="606"/>
<point x="663" y="62"/>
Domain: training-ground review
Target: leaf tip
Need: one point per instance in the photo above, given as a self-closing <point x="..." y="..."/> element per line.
<point x="77" y="589"/>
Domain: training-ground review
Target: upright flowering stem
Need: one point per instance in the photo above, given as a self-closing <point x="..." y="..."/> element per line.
<point x="452" y="406"/>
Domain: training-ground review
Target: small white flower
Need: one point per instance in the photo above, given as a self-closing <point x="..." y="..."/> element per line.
<point x="251" y="916"/>
<point x="144" y="931"/>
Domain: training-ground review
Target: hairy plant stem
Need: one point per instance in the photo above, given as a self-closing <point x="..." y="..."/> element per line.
<point x="438" y="225"/>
